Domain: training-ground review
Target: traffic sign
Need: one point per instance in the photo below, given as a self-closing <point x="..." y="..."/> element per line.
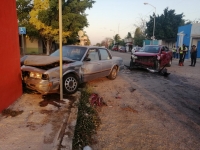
<point x="22" y="30"/>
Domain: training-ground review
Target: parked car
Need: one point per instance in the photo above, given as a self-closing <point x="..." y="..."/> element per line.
<point x="135" y="49"/>
<point x="152" y="57"/>
<point x="115" y="48"/>
<point x="80" y="64"/>
<point x="122" y="49"/>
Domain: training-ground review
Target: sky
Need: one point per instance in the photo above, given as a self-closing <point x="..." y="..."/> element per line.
<point x="110" y="17"/>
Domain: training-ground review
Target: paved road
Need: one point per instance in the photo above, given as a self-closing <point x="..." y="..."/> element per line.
<point x="125" y="56"/>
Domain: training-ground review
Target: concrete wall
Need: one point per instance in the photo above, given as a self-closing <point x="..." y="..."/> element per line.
<point x="10" y="74"/>
<point x="187" y="31"/>
<point x="33" y="46"/>
<point x="186" y="39"/>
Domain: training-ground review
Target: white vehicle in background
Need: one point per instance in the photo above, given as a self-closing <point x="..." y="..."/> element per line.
<point x="135" y="49"/>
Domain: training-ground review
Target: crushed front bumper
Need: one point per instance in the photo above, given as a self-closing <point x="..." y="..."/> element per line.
<point x="41" y="86"/>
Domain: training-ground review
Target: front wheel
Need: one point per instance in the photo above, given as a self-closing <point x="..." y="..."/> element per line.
<point x="170" y="63"/>
<point x="70" y="84"/>
<point x="131" y="63"/>
<point x="157" y="65"/>
<point x="113" y="73"/>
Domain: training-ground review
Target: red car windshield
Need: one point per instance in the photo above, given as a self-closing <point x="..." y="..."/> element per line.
<point x="150" y="49"/>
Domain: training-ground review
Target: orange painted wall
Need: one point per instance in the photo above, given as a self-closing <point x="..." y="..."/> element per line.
<point x="10" y="78"/>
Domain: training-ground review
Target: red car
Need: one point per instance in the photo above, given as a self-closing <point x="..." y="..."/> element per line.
<point x="115" y="48"/>
<point x="152" y="57"/>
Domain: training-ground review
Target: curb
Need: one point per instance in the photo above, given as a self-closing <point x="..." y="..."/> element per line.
<point x="65" y="135"/>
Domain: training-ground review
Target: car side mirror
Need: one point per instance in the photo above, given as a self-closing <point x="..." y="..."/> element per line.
<point x="87" y="59"/>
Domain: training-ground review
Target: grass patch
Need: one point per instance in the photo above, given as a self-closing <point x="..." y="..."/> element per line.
<point x="87" y="122"/>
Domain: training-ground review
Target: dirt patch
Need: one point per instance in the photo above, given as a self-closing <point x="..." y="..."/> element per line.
<point x="12" y="113"/>
<point x="149" y="111"/>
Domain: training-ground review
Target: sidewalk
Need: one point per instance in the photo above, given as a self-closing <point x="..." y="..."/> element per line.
<point x="41" y="125"/>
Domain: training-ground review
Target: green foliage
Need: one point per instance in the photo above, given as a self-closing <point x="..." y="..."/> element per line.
<point x="121" y="42"/>
<point x="117" y="38"/>
<point x="87" y="122"/>
<point x="166" y="25"/>
<point x="138" y="37"/>
<point x="42" y="19"/>
<point x="129" y="35"/>
<point x="23" y="9"/>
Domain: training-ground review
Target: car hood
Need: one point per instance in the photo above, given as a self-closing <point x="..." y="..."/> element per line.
<point x="43" y="60"/>
<point x="145" y="54"/>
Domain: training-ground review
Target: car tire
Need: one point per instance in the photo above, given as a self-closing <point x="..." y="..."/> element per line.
<point x="131" y="63"/>
<point x="157" y="65"/>
<point x="170" y="63"/>
<point x="70" y="84"/>
<point x="113" y="73"/>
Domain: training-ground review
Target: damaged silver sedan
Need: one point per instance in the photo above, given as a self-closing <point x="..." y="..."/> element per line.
<point x="80" y="64"/>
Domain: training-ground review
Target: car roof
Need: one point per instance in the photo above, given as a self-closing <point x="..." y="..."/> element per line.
<point x="83" y="46"/>
<point x="155" y="45"/>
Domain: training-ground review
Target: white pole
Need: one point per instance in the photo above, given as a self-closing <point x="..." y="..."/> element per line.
<point x="154" y="25"/>
<point x="60" y="44"/>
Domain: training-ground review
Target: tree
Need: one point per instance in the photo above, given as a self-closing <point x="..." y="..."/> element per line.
<point x="141" y="24"/>
<point x="138" y="37"/>
<point x="129" y="35"/>
<point x="106" y="42"/>
<point x="166" y="25"/>
<point x="23" y="8"/>
<point x="44" y="19"/>
<point x="117" y="38"/>
<point x="98" y="44"/>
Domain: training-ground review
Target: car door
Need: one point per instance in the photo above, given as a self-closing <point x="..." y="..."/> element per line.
<point x="106" y="61"/>
<point x="91" y="68"/>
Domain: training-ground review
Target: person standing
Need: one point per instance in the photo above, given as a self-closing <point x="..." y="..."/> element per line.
<point x="177" y="52"/>
<point x="185" y="49"/>
<point x="174" y="51"/>
<point x="193" y="55"/>
<point x="181" y="52"/>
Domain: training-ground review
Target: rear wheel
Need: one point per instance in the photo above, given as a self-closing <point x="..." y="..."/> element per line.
<point x="113" y="73"/>
<point x="70" y="84"/>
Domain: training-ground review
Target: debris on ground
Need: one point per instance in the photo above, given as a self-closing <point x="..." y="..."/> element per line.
<point x="95" y="100"/>
<point x="53" y="99"/>
<point x="87" y="148"/>
<point x="118" y="96"/>
<point x="129" y="109"/>
<point x="12" y="113"/>
<point x="132" y="90"/>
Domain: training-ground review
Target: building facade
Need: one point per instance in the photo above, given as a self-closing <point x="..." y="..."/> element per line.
<point x="189" y="35"/>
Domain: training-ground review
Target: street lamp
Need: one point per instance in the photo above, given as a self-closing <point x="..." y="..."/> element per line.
<point x="154" y="19"/>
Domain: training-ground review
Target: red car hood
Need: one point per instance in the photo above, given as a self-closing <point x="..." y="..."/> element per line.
<point x="145" y="54"/>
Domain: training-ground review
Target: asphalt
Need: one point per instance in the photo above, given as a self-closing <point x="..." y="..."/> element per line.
<point x="36" y="122"/>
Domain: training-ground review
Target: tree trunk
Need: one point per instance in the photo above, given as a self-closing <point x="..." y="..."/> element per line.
<point x="47" y="46"/>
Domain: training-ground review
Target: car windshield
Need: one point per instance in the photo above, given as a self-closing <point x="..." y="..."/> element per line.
<point x="150" y="49"/>
<point x="72" y="52"/>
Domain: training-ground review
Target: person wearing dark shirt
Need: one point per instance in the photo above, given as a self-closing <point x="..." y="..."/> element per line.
<point x="193" y="55"/>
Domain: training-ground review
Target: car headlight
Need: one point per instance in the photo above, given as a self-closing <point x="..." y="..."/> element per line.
<point x="158" y="57"/>
<point x="134" y="56"/>
<point x="35" y="75"/>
